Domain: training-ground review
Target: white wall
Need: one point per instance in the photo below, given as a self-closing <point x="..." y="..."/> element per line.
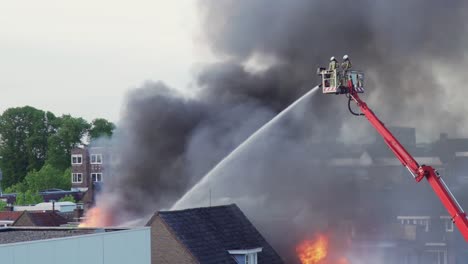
<point x="127" y="246"/>
<point x="47" y="206"/>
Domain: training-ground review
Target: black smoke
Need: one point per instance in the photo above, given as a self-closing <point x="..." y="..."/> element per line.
<point x="413" y="54"/>
<point x="401" y="45"/>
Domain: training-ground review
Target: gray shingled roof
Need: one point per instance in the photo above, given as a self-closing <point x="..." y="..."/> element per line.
<point x="24" y="234"/>
<point x="15" y="236"/>
<point x="211" y="231"/>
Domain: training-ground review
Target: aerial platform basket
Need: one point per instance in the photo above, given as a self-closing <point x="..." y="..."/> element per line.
<point x="339" y="82"/>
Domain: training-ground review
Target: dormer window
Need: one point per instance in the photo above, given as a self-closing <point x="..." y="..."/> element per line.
<point x="246" y="256"/>
<point x="251" y="258"/>
<point x="415" y="220"/>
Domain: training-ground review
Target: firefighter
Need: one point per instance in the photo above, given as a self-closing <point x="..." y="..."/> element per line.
<point x="346" y="65"/>
<point x="334" y="74"/>
<point x="333" y="64"/>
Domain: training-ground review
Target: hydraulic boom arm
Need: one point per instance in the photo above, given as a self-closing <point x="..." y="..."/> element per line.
<point x="419" y="172"/>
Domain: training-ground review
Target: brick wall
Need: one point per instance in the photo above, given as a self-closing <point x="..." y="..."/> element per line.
<point x="82" y="168"/>
<point x="165" y="248"/>
<point x="87" y="167"/>
<point x="98" y="167"/>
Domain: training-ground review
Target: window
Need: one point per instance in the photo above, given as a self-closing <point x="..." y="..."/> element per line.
<point x="77" y="177"/>
<point x="448" y="223"/>
<point x="96" y="177"/>
<point x="96" y="158"/>
<point x="246" y="256"/>
<point x="416" y="220"/>
<point x="251" y="258"/>
<point x="449" y="226"/>
<point x="77" y="159"/>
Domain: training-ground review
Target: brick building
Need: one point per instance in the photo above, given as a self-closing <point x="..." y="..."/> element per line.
<point x="88" y="166"/>
<point x="219" y="234"/>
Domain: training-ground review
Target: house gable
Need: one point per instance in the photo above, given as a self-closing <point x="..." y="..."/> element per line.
<point x="165" y="247"/>
<point x="210" y="233"/>
<point x="39" y="219"/>
<point x="23" y="220"/>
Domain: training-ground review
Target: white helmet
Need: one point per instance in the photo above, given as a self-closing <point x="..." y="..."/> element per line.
<point x="332" y="58"/>
<point x="345" y="57"/>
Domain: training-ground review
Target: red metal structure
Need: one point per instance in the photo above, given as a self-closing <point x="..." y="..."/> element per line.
<point x="419" y="172"/>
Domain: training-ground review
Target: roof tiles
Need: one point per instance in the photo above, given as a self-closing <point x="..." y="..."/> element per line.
<point x="211" y="231"/>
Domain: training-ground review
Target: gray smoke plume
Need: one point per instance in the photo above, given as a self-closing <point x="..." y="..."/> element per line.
<point x="414" y="56"/>
<point x="412" y="52"/>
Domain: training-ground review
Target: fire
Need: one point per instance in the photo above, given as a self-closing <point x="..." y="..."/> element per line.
<point x="96" y="217"/>
<point x="312" y="252"/>
<point x="343" y="260"/>
<point x="317" y="252"/>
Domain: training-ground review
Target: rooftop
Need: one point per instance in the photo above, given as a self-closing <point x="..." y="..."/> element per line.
<point x="24" y="234"/>
<point x="9" y="216"/>
<point x="41" y="218"/>
<point x="211" y="231"/>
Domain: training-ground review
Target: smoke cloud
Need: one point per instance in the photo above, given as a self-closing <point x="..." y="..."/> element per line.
<point x="414" y="56"/>
<point x="401" y="45"/>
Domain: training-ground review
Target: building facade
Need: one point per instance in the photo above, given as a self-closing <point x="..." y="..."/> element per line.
<point x="89" y="167"/>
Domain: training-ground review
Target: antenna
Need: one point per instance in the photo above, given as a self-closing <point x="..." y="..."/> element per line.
<point x="210" y="197"/>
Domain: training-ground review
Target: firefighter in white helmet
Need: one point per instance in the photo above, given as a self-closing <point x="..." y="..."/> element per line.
<point x="334" y="74"/>
<point x="346" y="65"/>
<point x="333" y="64"/>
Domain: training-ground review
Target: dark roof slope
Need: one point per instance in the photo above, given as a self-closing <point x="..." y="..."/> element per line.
<point x="211" y="231"/>
<point x="47" y="218"/>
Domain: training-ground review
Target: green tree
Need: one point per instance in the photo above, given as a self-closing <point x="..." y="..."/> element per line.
<point x="3" y="204"/>
<point x="46" y="178"/>
<point x="24" y="135"/>
<point x="67" y="198"/>
<point x="16" y="188"/>
<point x="100" y="127"/>
<point x="28" y="198"/>
<point x="69" y="135"/>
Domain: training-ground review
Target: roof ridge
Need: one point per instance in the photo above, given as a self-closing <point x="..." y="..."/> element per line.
<point x="198" y="208"/>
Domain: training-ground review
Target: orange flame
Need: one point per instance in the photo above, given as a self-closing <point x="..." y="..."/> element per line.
<point x="312" y="252"/>
<point x="96" y="217"/>
<point x="343" y="260"/>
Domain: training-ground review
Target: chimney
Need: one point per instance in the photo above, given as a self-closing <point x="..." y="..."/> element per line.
<point x="78" y="213"/>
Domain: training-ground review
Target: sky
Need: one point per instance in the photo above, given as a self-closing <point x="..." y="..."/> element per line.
<point x="82" y="57"/>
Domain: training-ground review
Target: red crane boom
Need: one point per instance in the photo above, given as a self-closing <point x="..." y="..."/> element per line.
<point x="351" y="83"/>
<point x="419" y="172"/>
